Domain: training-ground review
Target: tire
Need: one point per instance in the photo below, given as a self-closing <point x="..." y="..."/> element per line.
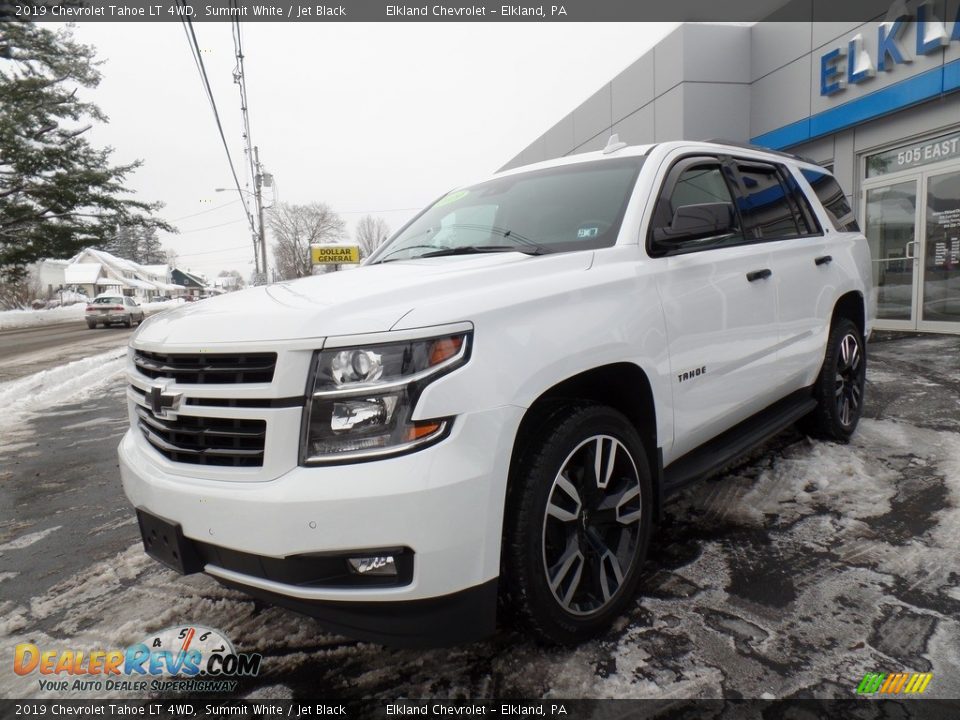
<point x="92" y="324"/>
<point x="570" y="567"/>
<point x="839" y="387"/>
<point x="128" y="321"/>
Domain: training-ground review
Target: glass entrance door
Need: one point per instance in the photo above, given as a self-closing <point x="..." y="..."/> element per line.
<point x="891" y="221"/>
<point x="939" y="306"/>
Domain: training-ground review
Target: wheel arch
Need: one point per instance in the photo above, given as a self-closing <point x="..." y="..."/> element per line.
<point x="851" y="306"/>
<point x="602" y="385"/>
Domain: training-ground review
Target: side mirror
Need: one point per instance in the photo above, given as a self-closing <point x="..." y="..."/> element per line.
<point x="695" y="222"/>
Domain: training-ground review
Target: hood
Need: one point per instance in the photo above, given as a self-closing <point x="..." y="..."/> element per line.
<point x="368" y="299"/>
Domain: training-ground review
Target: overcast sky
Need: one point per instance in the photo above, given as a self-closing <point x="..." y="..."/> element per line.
<point x="362" y="116"/>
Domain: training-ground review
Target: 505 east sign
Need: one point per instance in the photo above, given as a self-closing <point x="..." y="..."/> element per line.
<point x="898" y="42"/>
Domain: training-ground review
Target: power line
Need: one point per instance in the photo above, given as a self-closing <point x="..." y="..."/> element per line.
<point x="204" y="212"/>
<point x="211" y="227"/>
<point x="372" y="212"/>
<point x="198" y="60"/>
<point x="213" y="252"/>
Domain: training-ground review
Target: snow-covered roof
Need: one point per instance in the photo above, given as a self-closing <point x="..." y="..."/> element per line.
<point x="116" y="271"/>
<point x="81" y="273"/>
<point x="194" y="278"/>
<point x="142" y="284"/>
<point x="157" y="271"/>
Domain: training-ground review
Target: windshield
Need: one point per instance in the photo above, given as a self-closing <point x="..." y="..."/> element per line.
<point x="574" y="207"/>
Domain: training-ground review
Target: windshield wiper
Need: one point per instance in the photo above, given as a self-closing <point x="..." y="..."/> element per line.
<point x="388" y="257"/>
<point x="479" y="249"/>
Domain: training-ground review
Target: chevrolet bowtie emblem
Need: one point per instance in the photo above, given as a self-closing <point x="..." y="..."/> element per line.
<point x="162" y="403"/>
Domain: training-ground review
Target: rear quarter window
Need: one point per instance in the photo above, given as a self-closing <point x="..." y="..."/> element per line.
<point x="764" y="204"/>
<point x="831" y="196"/>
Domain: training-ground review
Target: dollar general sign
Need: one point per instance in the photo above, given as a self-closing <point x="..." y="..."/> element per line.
<point x="334" y="254"/>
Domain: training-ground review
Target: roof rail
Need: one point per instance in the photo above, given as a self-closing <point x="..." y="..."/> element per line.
<point x="750" y="146"/>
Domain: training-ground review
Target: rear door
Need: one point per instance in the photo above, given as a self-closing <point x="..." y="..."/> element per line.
<point x="776" y="213"/>
<point x="719" y="307"/>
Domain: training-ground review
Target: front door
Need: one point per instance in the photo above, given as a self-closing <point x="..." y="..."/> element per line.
<point x="890" y="223"/>
<point x="720" y="310"/>
<point x="939" y="292"/>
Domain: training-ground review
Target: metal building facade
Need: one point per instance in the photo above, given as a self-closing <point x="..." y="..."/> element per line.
<point x="877" y="102"/>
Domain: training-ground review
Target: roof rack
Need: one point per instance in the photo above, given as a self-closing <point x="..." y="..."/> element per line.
<point x="750" y="146"/>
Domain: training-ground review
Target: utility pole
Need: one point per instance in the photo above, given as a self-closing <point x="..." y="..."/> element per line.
<point x="253" y="157"/>
<point x="258" y="185"/>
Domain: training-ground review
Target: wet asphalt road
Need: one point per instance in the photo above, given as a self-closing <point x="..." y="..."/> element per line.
<point x="794" y="573"/>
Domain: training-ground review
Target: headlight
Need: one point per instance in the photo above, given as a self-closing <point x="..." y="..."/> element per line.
<point x="361" y="399"/>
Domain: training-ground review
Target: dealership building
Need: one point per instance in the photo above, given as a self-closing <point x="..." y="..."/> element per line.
<point x="878" y="103"/>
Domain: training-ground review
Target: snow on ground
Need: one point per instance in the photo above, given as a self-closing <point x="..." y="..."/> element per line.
<point x="28" y="540"/>
<point x="16" y="319"/>
<point x="802" y="568"/>
<point x="56" y="386"/>
<point x="12" y="319"/>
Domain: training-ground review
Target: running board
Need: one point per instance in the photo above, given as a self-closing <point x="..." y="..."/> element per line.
<point x="713" y="455"/>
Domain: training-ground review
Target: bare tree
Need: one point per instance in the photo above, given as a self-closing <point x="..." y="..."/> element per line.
<point x="371" y="233"/>
<point x="171" y="257"/>
<point x="18" y="293"/>
<point x="295" y="229"/>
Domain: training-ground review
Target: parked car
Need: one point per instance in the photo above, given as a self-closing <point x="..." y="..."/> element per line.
<point x="501" y="399"/>
<point x="112" y="309"/>
<point x="160" y="298"/>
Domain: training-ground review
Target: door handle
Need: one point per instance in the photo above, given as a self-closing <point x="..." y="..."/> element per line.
<point x="759" y="274"/>
<point x="823" y="260"/>
<point x="908" y="250"/>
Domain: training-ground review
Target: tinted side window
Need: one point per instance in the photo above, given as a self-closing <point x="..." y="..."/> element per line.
<point x="694" y="182"/>
<point x="764" y="205"/>
<point x="698" y="185"/>
<point x="833" y="200"/>
<point x="806" y="218"/>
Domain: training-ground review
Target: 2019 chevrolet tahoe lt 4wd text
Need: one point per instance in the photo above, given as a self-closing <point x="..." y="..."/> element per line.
<point x="491" y="411"/>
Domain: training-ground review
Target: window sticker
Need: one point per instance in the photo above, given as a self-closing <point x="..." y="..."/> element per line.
<point x="452" y="198"/>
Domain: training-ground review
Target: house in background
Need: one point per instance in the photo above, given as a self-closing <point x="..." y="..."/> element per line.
<point x="49" y="276"/>
<point x="194" y="284"/>
<point x="95" y="271"/>
<point x="227" y="283"/>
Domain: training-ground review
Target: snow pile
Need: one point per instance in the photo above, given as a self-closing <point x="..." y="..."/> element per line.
<point x="14" y="319"/>
<point x="10" y="319"/>
<point x="56" y="386"/>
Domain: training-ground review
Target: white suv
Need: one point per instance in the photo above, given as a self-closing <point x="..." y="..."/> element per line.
<point x="497" y="404"/>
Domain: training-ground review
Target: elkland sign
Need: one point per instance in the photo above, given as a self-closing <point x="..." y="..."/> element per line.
<point x="855" y="63"/>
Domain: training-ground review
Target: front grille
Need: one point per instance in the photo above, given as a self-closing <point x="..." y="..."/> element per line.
<point x="204" y="368"/>
<point x="227" y="442"/>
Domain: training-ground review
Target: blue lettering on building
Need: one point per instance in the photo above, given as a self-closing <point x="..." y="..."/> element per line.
<point x="887" y="47"/>
<point x="853" y="64"/>
<point x="831" y="79"/>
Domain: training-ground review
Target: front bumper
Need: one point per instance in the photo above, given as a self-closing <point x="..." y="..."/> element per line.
<point x="444" y="503"/>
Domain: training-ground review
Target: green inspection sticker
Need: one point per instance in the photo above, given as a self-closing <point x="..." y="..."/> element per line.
<point x="452" y="198"/>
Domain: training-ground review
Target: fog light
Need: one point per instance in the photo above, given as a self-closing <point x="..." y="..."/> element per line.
<point x="379" y="565"/>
